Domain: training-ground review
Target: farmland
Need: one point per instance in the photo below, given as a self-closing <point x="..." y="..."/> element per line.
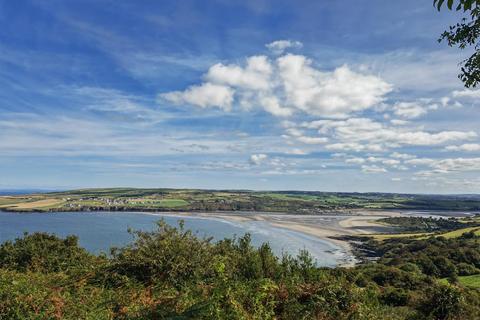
<point x="298" y="202"/>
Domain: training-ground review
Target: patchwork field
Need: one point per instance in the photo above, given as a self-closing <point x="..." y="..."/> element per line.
<point x="298" y="202"/>
<point x="421" y="236"/>
<point x="46" y="203"/>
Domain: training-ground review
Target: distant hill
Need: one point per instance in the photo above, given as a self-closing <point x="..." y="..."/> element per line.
<point x="295" y="202"/>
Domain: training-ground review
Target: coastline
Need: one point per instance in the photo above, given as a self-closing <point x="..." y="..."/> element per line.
<point x="329" y="228"/>
<point x="333" y="228"/>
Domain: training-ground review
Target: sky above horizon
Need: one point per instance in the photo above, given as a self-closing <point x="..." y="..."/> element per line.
<point x="252" y="94"/>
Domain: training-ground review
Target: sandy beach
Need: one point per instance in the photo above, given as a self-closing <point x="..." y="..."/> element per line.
<point x="325" y="227"/>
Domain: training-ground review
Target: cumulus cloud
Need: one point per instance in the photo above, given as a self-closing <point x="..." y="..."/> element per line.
<point x="255" y="75"/>
<point x="466" y="93"/>
<point x="283" y="86"/>
<point x="398" y="122"/>
<point x="468" y="147"/>
<point x="409" y="110"/>
<point x="297" y="151"/>
<point x="447" y="165"/>
<point x="359" y="133"/>
<point x="258" y="159"/>
<point x="403" y="156"/>
<point x="312" y="140"/>
<point x="204" y="96"/>
<point x="373" y="169"/>
<point x="372" y="163"/>
<point x="279" y="46"/>
<point x="355" y="160"/>
<point x="415" y="109"/>
<point x="353" y="146"/>
<point x="329" y="94"/>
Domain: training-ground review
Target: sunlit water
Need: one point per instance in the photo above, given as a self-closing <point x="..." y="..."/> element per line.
<point x="98" y="231"/>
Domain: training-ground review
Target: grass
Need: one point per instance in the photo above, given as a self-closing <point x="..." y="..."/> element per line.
<point x="459" y="232"/>
<point x="382" y="237"/>
<point x="5" y="202"/>
<point x="285" y="197"/>
<point x="472" y="281"/>
<point x="172" y="203"/>
<point x="36" y="204"/>
<point x="421" y="236"/>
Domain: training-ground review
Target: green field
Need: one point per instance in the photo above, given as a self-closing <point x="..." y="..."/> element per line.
<point x="422" y="235"/>
<point x="173" y="203"/>
<point x="296" y="202"/>
<point x="460" y="232"/>
<point x="472" y="281"/>
<point x="382" y="237"/>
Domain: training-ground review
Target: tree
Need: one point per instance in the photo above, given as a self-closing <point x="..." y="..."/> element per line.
<point x="465" y="34"/>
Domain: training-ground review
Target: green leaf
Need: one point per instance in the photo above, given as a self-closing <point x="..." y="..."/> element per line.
<point x="450" y="4"/>
<point x="468" y="5"/>
<point x="438" y="3"/>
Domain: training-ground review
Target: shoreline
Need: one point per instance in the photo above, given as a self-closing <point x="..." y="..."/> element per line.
<point x="327" y="227"/>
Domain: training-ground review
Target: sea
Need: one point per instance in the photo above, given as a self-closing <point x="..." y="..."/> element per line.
<point x="99" y="231"/>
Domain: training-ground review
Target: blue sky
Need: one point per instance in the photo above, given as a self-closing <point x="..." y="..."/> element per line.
<point x="280" y="95"/>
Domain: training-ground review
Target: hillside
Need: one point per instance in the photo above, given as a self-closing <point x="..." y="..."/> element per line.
<point x="300" y="202"/>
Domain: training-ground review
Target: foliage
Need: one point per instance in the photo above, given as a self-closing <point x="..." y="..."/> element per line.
<point x="465" y="34"/>
<point x="41" y="252"/>
<point x="171" y="274"/>
<point x="419" y="224"/>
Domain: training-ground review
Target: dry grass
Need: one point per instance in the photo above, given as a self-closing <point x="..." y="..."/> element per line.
<point x="381" y="237"/>
<point x="423" y="236"/>
<point x="36" y="204"/>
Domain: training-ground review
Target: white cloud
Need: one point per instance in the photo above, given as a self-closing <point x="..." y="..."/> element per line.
<point x="312" y="140"/>
<point x="403" y="156"/>
<point x="415" y="109"/>
<point x="357" y="147"/>
<point x="258" y="159"/>
<point x="468" y="147"/>
<point x="255" y="75"/>
<point x="279" y="46"/>
<point x="447" y="165"/>
<point x="362" y="132"/>
<point x="421" y="161"/>
<point x="204" y="96"/>
<point x="373" y="169"/>
<point x="297" y="151"/>
<point x="355" y="160"/>
<point x="409" y="110"/>
<point x="391" y="162"/>
<point x="466" y="93"/>
<point x="288" y="84"/>
<point x="272" y="105"/>
<point x="398" y="122"/>
<point x="328" y="94"/>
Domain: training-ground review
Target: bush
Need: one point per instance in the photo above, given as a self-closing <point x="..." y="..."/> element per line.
<point x="465" y="269"/>
<point x="42" y="252"/>
<point x="443" y="302"/>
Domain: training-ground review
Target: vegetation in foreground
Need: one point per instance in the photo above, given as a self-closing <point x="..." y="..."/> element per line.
<point x="171" y="274"/>
<point x="301" y="202"/>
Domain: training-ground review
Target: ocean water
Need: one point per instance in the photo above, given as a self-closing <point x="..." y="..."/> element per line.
<point x="99" y="231"/>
